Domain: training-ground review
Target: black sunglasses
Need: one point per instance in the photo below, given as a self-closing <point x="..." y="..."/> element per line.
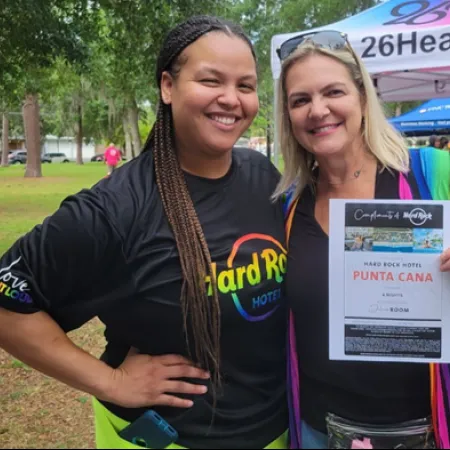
<point x="332" y="40"/>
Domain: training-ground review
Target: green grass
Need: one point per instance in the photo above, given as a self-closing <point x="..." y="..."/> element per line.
<point x="25" y="202"/>
<point x="36" y="411"/>
<point x="19" y="365"/>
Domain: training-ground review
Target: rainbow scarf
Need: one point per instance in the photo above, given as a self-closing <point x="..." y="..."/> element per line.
<point x="439" y="373"/>
<point x="435" y="165"/>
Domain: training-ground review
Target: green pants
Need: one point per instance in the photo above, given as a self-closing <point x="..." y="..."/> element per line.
<point x="108" y="425"/>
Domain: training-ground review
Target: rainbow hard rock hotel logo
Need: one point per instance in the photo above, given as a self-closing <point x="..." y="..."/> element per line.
<point x="266" y="264"/>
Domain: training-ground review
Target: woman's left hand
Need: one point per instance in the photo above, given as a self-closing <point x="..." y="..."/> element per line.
<point x="445" y="261"/>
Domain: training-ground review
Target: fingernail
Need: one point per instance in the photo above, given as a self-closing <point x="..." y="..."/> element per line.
<point x="204" y="389"/>
<point x="190" y="404"/>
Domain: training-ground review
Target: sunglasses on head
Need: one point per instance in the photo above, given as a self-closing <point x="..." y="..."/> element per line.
<point x="332" y="40"/>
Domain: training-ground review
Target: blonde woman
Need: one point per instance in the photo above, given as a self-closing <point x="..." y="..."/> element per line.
<point x="336" y="143"/>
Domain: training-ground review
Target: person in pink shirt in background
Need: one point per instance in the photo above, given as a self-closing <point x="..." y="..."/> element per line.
<point x="112" y="158"/>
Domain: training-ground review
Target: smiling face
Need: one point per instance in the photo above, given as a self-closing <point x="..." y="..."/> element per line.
<point x="324" y="105"/>
<point x="213" y="97"/>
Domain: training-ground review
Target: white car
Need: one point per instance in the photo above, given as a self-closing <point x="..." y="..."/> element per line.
<point x="57" y="157"/>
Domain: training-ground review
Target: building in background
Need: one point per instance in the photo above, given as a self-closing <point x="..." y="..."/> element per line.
<point x="65" y="145"/>
<point x="68" y="146"/>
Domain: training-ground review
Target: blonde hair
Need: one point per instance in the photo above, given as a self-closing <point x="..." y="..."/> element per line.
<point x="379" y="137"/>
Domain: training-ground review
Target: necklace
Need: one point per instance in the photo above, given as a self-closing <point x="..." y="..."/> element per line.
<point x="356" y="175"/>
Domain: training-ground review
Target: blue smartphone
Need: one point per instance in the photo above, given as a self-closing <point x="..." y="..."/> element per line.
<point x="150" y="430"/>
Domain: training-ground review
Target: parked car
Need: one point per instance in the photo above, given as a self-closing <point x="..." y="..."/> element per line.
<point x="57" y="157"/>
<point x="17" y="157"/>
<point x="20" y="157"/>
<point x="98" y="158"/>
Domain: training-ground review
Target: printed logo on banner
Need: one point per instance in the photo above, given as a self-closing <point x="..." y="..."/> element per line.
<point x="435" y="109"/>
<point x="410" y="25"/>
<point x="418" y="216"/>
<point x="405" y="228"/>
<point x="377" y="214"/>
<point x="419" y="12"/>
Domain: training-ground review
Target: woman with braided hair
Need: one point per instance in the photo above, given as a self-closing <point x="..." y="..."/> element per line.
<point x="181" y="254"/>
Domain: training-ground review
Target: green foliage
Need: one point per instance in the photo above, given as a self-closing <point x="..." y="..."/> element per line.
<point x="392" y="109"/>
<point x="15" y="122"/>
<point x="146" y="122"/>
<point x="72" y="94"/>
<point x="34" y="33"/>
<point x="99" y="56"/>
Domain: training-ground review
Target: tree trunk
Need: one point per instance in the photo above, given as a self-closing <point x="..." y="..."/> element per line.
<point x="398" y="109"/>
<point x="133" y="122"/>
<point x="79" y="135"/>
<point x="128" y="143"/>
<point x="30" y="112"/>
<point x="5" y="145"/>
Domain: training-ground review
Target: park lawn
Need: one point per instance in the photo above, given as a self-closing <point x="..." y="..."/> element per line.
<point x="25" y="202"/>
<point x="36" y="411"/>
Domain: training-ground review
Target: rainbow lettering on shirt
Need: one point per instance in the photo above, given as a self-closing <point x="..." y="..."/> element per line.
<point x="7" y="291"/>
<point x="267" y="264"/>
<point x="11" y="286"/>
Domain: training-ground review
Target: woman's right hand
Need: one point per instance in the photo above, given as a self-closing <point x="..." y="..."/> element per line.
<point x="145" y="381"/>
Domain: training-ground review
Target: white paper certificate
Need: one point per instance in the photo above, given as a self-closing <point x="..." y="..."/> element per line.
<point x="388" y="299"/>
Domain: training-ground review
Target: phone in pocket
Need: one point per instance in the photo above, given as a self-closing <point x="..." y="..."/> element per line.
<point x="150" y="430"/>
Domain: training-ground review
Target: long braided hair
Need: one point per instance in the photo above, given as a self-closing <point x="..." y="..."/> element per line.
<point x="201" y="314"/>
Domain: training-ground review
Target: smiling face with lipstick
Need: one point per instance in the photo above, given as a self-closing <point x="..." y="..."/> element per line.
<point x="325" y="110"/>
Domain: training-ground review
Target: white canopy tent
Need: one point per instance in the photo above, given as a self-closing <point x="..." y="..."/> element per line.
<point x="405" y="45"/>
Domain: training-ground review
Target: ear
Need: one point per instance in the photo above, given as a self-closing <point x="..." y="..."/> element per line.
<point x="167" y="84"/>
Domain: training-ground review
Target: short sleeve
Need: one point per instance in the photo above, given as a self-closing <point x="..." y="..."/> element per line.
<point x="72" y="266"/>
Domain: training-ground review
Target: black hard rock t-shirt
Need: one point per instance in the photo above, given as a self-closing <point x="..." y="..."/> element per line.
<point x="376" y="393"/>
<point x="109" y="252"/>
